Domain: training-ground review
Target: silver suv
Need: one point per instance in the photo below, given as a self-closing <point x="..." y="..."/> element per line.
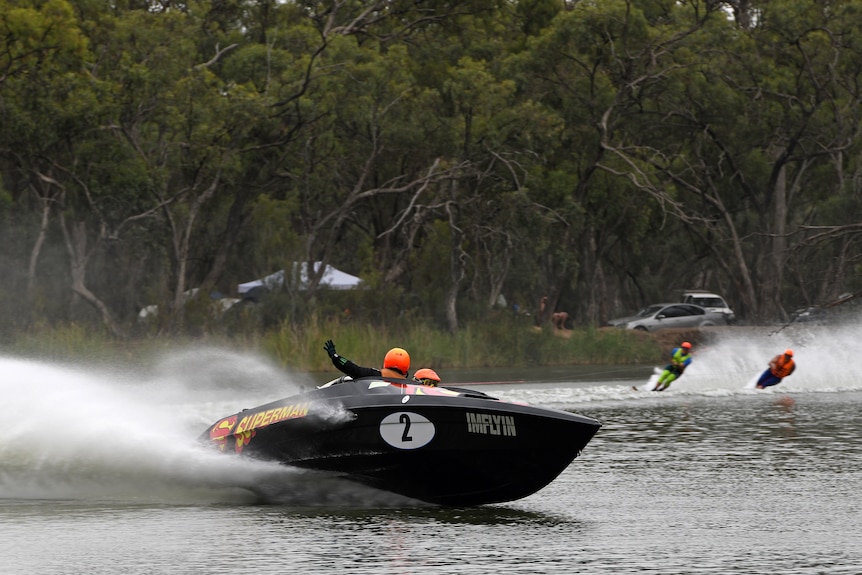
<point x="710" y="301"/>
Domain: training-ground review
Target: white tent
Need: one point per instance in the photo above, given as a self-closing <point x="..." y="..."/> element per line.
<point x="332" y="278"/>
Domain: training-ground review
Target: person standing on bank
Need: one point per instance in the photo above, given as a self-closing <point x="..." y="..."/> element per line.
<point x="780" y="367"/>
<point x="396" y="363"/>
<point x="680" y="358"/>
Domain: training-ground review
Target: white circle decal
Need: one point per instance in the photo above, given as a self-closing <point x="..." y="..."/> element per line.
<point x="406" y="430"/>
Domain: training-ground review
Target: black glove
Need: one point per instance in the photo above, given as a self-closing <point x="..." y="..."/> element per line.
<point x="330" y="348"/>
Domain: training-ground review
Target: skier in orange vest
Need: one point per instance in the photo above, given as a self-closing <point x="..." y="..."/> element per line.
<point x="780" y="367"/>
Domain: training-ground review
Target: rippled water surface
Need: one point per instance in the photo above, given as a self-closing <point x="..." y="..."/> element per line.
<point x="100" y="473"/>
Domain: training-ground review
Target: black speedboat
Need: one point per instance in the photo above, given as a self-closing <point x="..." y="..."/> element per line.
<point x="448" y="446"/>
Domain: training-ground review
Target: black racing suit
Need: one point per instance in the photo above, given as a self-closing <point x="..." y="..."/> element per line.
<point x="355" y="371"/>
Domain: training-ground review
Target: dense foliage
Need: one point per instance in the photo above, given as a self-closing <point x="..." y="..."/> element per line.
<point x="605" y="154"/>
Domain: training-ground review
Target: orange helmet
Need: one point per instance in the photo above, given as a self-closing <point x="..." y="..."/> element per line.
<point x="788" y="352"/>
<point x="426" y="376"/>
<point x="397" y="359"/>
<point x="686" y="345"/>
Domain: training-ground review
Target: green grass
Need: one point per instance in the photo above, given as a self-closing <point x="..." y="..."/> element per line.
<point x="499" y="344"/>
<point x="506" y="342"/>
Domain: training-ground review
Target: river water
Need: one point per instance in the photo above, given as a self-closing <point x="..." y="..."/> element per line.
<point x="100" y="473"/>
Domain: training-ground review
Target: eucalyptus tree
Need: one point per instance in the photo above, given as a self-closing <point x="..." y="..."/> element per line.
<point x="480" y="121"/>
<point x="40" y="41"/>
<point x="52" y="110"/>
<point x="498" y="137"/>
<point x="390" y="147"/>
<point x="751" y="135"/>
<point x="130" y="140"/>
<point x="732" y="129"/>
<point x="599" y="66"/>
<point x="189" y="128"/>
<point x="200" y="107"/>
<point x="353" y="163"/>
<point x="334" y="120"/>
<point x="823" y="250"/>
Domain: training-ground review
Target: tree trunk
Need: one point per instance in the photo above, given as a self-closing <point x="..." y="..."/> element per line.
<point x="182" y="237"/>
<point x="779" y="246"/>
<point x="457" y="273"/>
<point x="76" y="245"/>
<point x="40" y="241"/>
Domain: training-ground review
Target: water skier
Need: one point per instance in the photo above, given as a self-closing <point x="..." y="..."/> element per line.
<point x="680" y="358"/>
<point x="780" y="367"/>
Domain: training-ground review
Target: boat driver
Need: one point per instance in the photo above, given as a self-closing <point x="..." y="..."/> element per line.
<point x="396" y="364"/>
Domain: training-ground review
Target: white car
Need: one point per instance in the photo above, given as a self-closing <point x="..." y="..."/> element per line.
<point x="709" y="301"/>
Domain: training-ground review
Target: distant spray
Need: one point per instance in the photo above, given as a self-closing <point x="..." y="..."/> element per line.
<point x="734" y="357"/>
<point x="825" y="357"/>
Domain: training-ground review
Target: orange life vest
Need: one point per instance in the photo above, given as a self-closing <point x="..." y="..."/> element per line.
<point x="782" y="366"/>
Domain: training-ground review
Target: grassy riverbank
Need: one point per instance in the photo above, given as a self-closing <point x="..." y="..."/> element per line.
<point x="473" y="346"/>
<point x="500" y="344"/>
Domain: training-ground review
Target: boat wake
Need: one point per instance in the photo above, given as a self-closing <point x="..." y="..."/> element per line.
<point x="77" y="433"/>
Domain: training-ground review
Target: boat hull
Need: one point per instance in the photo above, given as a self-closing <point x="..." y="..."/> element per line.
<point x="439" y="445"/>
